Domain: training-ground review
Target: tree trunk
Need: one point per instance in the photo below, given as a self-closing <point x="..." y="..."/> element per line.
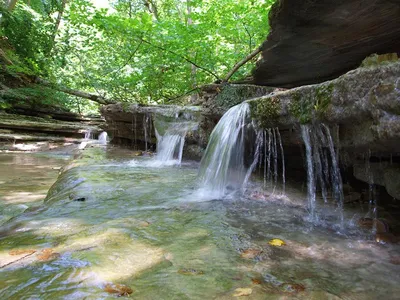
<point x="11" y="4"/>
<point x="77" y="93"/>
<point x="57" y="24"/>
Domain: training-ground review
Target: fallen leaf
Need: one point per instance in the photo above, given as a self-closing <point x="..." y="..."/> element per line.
<point x="256" y="281"/>
<point x="47" y="254"/>
<point x="240" y="292"/>
<point x="119" y="289"/>
<point x="250" y="253"/>
<point x="276" y="242"/>
<point x="21" y="251"/>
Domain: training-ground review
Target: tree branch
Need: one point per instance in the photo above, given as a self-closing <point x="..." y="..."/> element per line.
<point x="77" y="93"/>
<point x="238" y="65"/>
<point x="181" y="56"/>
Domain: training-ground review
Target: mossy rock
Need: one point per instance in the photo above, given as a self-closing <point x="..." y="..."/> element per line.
<point x="265" y="110"/>
<point x="312" y="104"/>
<point x="231" y="95"/>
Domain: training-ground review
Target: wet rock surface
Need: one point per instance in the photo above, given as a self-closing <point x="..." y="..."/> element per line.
<point x="314" y="41"/>
<point x="364" y="103"/>
<point x="133" y="125"/>
<point x="384" y="174"/>
<point x="32" y="133"/>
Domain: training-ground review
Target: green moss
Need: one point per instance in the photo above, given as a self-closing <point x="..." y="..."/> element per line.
<point x="232" y="95"/>
<point x="311" y="104"/>
<point x="323" y="96"/>
<point x="376" y="60"/>
<point x="265" y="110"/>
<point x="301" y="107"/>
<point x="126" y="106"/>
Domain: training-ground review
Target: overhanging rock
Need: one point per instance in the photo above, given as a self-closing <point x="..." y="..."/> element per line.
<point x="314" y="41"/>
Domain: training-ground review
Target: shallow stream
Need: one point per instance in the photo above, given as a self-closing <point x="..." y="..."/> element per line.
<point x="117" y="219"/>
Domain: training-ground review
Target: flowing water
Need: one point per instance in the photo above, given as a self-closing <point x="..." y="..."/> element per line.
<point x="103" y="138"/>
<point x="114" y="220"/>
<point x="223" y="168"/>
<point x="322" y="168"/>
<point x="25" y="180"/>
<point x="170" y="136"/>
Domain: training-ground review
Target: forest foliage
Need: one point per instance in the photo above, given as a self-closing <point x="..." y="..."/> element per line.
<point x="143" y="51"/>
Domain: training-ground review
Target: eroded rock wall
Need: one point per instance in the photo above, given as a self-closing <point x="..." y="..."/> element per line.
<point x="314" y="41"/>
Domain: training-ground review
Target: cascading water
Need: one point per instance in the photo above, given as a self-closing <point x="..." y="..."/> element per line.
<point x="322" y="167"/>
<point x="372" y="203"/>
<point x="223" y="165"/>
<point x="147" y="130"/>
<point x="223" y="162"/>
<point x="171" y="139"/>
<point x="88" y="135"/>
<point x="269" y="149"/>
<point x="103" y="138"/>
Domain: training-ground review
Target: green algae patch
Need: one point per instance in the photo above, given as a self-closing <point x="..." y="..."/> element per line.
<point x="311" y="104"/>
<point x="265" y="110"/>
<point x="231" y="95"/>
<point x="376" y="60"/>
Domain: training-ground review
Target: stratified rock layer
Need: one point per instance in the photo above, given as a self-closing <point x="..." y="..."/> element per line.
<point x="363" y="109"/>
<point x="313" y="41"/>
<point x="365" y="103"/>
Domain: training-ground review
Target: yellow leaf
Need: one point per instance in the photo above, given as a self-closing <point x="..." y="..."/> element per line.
<point x="240" y="292"/>
<point x="276" y="242"/>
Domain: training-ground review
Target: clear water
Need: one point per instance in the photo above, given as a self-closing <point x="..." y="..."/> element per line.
<point x="171" y="136"/>
<point x="222" y="167"/>
<point x="140" y="226"/>
<point x="103" y="138"/>
<point x="322" y="168"/>
<point x="24" y="181"/>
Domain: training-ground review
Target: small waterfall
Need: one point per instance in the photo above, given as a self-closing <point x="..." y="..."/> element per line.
<point x="269" y="150"/>
<point x="223" y="165"/>
<point x="311" y="187"/>
<point x="223" y="162"/>
<point x="147" y="130"/>
<point x="171" y="139"/>
<point x="103" y="138"/>
<point x="322" y="167"/>
<point x="372" y="197"/>
<point x="88" y="134"/>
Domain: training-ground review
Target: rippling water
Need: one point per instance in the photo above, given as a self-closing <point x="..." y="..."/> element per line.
<point x="116" y="220"/>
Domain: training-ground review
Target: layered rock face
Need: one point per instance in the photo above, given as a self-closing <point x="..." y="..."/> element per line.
<point x="362" y="108"/>
<point x="32" y="133"/>
<point x="134" y="125"/>
<point x="313" y="41"/>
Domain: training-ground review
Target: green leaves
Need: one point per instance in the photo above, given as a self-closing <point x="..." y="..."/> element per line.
<point x="143" y="51"/>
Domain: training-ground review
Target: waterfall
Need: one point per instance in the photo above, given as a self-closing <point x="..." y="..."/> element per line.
<point x="103" y="138"/>
<point x="147" y="130"/>
<point x="171" y="139"/>
<point x="311" y="187"/>
<point x="322" y="167"/>
<point x="88" y="134"/>
<point x="372" y="197"/>
<point x="223" y="165"/>
<point x="223" y="162"/>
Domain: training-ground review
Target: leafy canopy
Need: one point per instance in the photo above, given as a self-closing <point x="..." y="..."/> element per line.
<point x="135" y="50"/>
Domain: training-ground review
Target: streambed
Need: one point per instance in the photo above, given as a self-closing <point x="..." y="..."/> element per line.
<point x="117" y="219"/>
